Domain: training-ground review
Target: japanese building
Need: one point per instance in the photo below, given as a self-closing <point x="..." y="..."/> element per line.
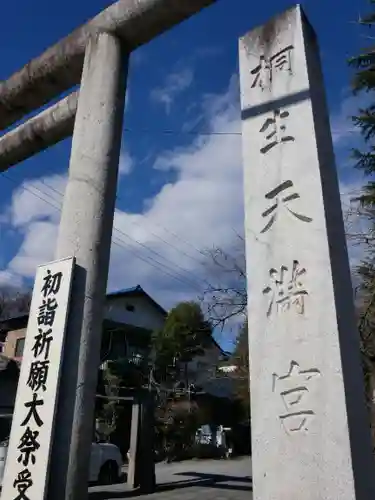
<point x="130" y="317"/>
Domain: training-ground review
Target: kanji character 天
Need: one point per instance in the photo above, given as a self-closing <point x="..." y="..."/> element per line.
<point x="281" y="201"/>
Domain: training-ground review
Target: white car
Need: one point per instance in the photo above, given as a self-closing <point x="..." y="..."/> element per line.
<point x="105" y="464"/>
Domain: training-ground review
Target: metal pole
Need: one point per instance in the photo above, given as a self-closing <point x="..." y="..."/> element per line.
<point x="85" y="232"/>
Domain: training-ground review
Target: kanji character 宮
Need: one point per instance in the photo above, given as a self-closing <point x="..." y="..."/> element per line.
<point x="293" y="391"/>
<point x="281" y="201"/>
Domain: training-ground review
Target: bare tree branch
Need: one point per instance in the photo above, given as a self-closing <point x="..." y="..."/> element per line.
<point x="13" y="302"/>
<point x="225" y="297"/>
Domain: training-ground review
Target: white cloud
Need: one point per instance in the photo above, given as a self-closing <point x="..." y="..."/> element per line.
<point x="174" y="85"/>
<point x="35" y="213"/>
<point x="126" y="163"/>
<point x="202" y="208"/>
<point x="35" y="200"/>
<point x="9" y="279"/>
<point x="38" y="246"/>
<point x="203" y="205"/>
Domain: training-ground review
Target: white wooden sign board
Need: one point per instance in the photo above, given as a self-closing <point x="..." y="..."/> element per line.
<point x="26" y="471"/>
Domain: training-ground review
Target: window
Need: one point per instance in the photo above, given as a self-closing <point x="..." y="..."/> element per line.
<point x="20" y="344"/>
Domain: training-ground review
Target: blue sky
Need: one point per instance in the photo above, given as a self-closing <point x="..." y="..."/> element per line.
<point x="180" y="185"/>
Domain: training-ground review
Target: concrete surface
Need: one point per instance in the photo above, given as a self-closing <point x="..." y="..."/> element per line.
<point x="85" y="231"/>
<point x="192" y="479"/>
<point x="59" y="67"/>
<point x="310" y="428"/>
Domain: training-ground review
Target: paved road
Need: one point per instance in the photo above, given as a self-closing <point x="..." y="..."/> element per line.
<point x="192" y="480"/>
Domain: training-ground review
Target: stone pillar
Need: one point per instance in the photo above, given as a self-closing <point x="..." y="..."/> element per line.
<point x="141" y="469"/>
<point x="85" y="231"/>
<point x="145" y="470"/>
<point x="310" y="429"/>
<point x="133" y="448"/>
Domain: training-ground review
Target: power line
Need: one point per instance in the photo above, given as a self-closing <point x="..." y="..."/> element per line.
<point x="153" y="233"/>
<point x="211" y="133"/>
<point x="6" y="176"/>
<point x="147" y="259"/>
<point x="166" y="272"/>
<point x="180" y="132"/>
<point x="151" y="250"/>
<point x="144" y="245"/>
<point x="177" y="237"/>
<point x="140" y="243"/>
<point x="127" y="248"/>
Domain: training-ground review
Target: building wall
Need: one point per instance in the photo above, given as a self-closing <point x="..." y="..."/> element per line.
<point x="139" y="312"/>
<point x="144" y="314"/>
<point x="135" y="311"/>
<point x="12" y="339"/>
<point x="202" y="371"/>
<point x="202" y="368"/>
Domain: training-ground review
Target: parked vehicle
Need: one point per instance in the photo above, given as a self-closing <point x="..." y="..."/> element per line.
<point x="105" y="463"/>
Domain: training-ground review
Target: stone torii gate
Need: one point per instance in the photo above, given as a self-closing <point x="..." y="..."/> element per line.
<point x="96" y="56"/>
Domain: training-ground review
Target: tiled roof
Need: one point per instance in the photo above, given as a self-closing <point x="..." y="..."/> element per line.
<point x="135" y="290"/>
